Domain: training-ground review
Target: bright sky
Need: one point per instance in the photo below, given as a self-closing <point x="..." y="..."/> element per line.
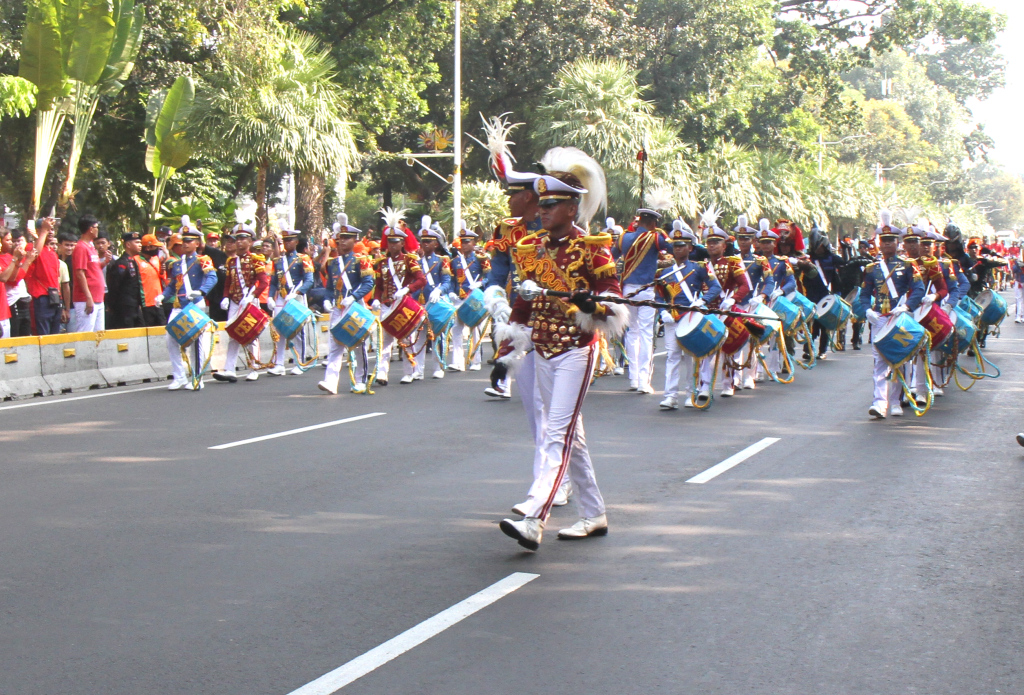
<point x="999" y="112"/>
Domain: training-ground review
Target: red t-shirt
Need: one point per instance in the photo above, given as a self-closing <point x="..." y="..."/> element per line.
<point x="85" y="258"/>
<point x="43" y="273"/>
<point x="5" y="311"/>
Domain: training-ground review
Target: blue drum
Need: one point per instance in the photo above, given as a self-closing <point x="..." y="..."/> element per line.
<point x="899" y="339"/>
<point x="353" y="326"/>
<point x="993" y="308"/>
<point x="188" y="324"/>
<point x="832" y="312"/>
<point x="788" y="312"/>
<point x="963" y="332"/>
<point x="805" y="305"/>
<point x="700" y="334"/>
<point x="439" y="315"/>
<point x="859" y="312"/>
<point x="291" y="318"/>
<point x="770" y="320"/>
<point x="472" y="311"/>
<point x="970" y="307"/>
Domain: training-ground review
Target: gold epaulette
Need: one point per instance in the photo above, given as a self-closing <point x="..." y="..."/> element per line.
<point x="603" y="240"/>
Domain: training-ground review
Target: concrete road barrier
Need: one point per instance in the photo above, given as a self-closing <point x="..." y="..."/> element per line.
<point x="21" y="370"/>
<point x="159" y="359"/>
<point x="69" y="362"/>
<point x="123" y="357"/>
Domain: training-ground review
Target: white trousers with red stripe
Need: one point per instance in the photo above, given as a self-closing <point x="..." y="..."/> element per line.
<point x="561" y="384"/>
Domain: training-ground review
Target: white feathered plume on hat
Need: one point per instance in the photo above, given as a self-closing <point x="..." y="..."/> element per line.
<point x="425" y="222"/>
<point x="884" y="218"/>
<point x="609" y="223"/>
<point x="497" y="130"/>
<point x="909" y="215"/>
<point x="660" y="198"/>
<point x="763" y="224"/>
<point x="392" y="216"/>
<point x="342" y="219"/>
<point x="679" y="225"/>
<point x="186" y="223"/>
<point x="337" y="227"/>
<point x="710" y="216"/>
<point x="741" y="221"/>
<point x="588" y="171"/>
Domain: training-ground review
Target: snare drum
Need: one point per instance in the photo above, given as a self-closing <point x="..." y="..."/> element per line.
<point x="188" y="324"/>
<point x="404" y="318"/>
<point x="993" y="308"/>
<point x="937" y="322"/>
<point x="700" y="334"/>
<point x="971" y="308"/>
<point x="248" y="323"/>
<point x="439" y="315"/>
<point x="738" y="335"/>
<point x="832" y="312"/>
<point x="353" y="326"/>
<point x="770" y="321"/>
<point x="472" y="311"/>
<point x="788" y="312"/>
<point x="963" y="332"/>
<point x="805" y="305"/>
<point x="899" y="338"/>
<point x="290" y="319"/>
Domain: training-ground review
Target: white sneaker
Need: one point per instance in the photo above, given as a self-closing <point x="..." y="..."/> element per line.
<point x="584" y="528"/>
<point x="252" y="376"/>
<point x="528" y="531"/>
<point x="896" y="410"/>
<point x="474" y="367"/>
<point x="358" y="388"/>
<point x="407" y="379"/>
<point x="453" y="368"/>
<point x="633" y="386"/>
<point x="176" y="384"/>
<point x="276" y="371"/>
<point x="704" y="394"/>
<point x="297" y="371"/>
<point x="748" y="383"/>
<point x="877" y="411"/>
<point x="688" y="401"/>
<point x="728" y="391"/>
<point x="417" y="377"/>
<point x="562" y="497"/>
<point x="324" y="386"/>
<point x="670" y="403"/>
<point x="618" y="371"/>
<point x="938" y="391"/>
<point x="438" y="374"/>
<point x="520" y="508"/>
<point x="646" y="390"/>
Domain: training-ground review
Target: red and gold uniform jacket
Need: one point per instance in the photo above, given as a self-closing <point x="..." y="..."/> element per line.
<point x="254" y="274"/>
<point x="931" y="274"/>
<point x="576" y="262"/>
<point x="732" y="276"/>
<point x="406" y="269"/>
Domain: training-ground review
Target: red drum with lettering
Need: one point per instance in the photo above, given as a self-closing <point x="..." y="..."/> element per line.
<point x="248" y="324"/>
<point x="936" y="322"/>
<point x="738" y="335"/>
<point x="404" y="318"/>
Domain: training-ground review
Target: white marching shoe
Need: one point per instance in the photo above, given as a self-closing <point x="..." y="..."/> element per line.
<point x="176" y="384"/>
<point x="418" y="376"/>
<point x="896" y="410"/>
<point x="407" y="379"/>
<point x="562" y="496"/>
<point x="728" y="391"/>
<point x="528" y="531"/>
<point x="748" y="382"/>
<point x="358" y="388"/>
<point x="438" y="374"/>
<point x="296" y="371"/>
<point x="618" y="371"/>
<point x="937" y="391"/>
<point x="252" y="376"/>
<point x="877" y="411"/>
<point x="670" y="403"/>
<point x="584" y="528"/>
<point x="276" y="371"/>
<point x="646" y="390"/>
<point x="474" y="367"/>
<point x="227" y="376"/>
<point x="688" y="401"/>
<point x="324" y="386"/>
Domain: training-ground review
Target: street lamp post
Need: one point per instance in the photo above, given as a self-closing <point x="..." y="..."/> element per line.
<point x="822" y="143"/>
<point x="879" y="169"/>
<point x="457" y="175"/>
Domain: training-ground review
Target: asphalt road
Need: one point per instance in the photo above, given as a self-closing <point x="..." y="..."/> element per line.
<point x="851" y="556"/>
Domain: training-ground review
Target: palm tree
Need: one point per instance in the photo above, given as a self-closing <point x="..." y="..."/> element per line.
<point x="274" y="102"/>
<point x="728" y="178"/>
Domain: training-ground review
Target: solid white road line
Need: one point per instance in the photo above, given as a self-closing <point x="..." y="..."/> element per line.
<point x="659" y="354"/>
<point x="300" y="430"/>
<point x="414" y="636"/>
<point x="733" y="460"/>
<point x="33" y="404"/>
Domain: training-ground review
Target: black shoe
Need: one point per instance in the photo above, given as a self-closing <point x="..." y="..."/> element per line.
<point x="1020" y="438"/>
<point x="380" y="382"/>
<point x="856" y="346"/>
<point x="219" y="376"/>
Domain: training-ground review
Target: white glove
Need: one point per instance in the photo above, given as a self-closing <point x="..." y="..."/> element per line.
<point x="901" y="309"/>
<point x="453" y="297"/>
<point x="728" y="304"/>
<point x="347" y="302"/>
<point x="194" y="295"/>
<point x="756" y="299"/>
<point x="698" y="303"/>
<point x="435" y="294"/>
<point x="401" y="293"/>
<point x="873" y="315"/>
<point x="929" y="298"/>
<point x="159" y="299"/>
<point x="475" y="285"/>
<point x="376" y="305"/>
<point x="225" y="303"/>
<point x="328" y="305"/>
<point x="666" y="317"/>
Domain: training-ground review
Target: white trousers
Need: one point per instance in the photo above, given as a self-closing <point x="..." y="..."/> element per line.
<point x="562" y="383"/>
<point x="197" y="351"/>
<point x="5" y="328"/>
<point x="336" y="355"/>
<point x="886" y="393"/>
<point x="1018" y="294"/>
<point x="281" y="349"/>
<point x="90" y="323"/>
<point x="678" y="364"/>
<point x="231" y="358"/>
<point x="459" y="343"/>
<point x="640" y="338"/>
<point x="384" y="362"/>
<point x="419" y="351"/>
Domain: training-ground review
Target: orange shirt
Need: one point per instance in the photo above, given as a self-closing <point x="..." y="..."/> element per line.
<point x="152" y="272"/>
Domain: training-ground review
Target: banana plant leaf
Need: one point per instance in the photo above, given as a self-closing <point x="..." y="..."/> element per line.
<point x="128" y="20"/>
<point x="173" y="148"/>
<point x="93" y="37"/>
<point x="41" y="58"/>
